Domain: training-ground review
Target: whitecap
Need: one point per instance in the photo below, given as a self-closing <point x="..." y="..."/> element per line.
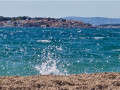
<point x="1" y="34"/>
<point x="87" y="50"/>
<point x="44" y="41"/>
<point x="19" y="31"/>
<point x="79" y="31"/>
<point x="60" y="48"/>
<point x="116" y="50"/>
<point x="82" y="37"/>
<point x="98" y="37"/>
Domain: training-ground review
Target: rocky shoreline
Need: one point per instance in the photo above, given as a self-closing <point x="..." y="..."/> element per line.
<point x="94" y="81"/>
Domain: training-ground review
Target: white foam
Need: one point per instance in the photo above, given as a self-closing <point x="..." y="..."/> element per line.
<point x="116" y="50"/>
<point x="87" y="50"/>
<point x="44" y="41"/>
<point x="49" y="67"/>
<point x="79" y="31"/>
<point x="60" y="48"/>
<point x="1" y="34"/>
<point x="98" y="37"/>
<point x="19" y="31"/>
<point x="82" y="37"/>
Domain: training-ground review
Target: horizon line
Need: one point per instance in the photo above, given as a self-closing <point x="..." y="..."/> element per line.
<point x="61" y="0"/>
<point x="61" y="17"/>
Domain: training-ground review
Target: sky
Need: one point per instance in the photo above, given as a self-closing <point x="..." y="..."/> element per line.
<point x="58" y="9"/>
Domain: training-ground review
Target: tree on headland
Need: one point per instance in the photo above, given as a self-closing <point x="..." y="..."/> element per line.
<point x="14" y="18"/>
<point x="4" y="18"/>
<point x="1" y="18"/>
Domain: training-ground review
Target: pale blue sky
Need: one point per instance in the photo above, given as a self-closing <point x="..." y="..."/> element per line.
<point x="59" y="9"/>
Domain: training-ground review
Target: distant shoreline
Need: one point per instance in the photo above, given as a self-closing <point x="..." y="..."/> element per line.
<point x="47" y="27"/>
<point x="63" y="27"/>
<point x="94" y="81"/>
<point x="41" y="22"/>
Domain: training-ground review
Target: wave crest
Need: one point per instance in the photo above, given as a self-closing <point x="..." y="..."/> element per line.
<point x="44" y="41"/>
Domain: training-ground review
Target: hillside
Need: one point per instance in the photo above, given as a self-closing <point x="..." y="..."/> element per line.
<point x="95" y="20"/>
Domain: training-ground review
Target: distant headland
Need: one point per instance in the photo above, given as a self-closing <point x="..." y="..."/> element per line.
<point x="65" y="22"/>
<point x="98" y="22"/>
<point x="25" y="21"/>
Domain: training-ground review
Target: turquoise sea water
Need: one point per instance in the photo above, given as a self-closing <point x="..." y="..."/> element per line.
<point x="59" y="51"/>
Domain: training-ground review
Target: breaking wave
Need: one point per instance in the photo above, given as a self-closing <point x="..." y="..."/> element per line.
<point x="44" y="41"/>
<point x="98" y="37"/>
<point x="116" y="50"/>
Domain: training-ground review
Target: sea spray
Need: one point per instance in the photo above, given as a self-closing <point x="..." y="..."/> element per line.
<point x="50" y="66"/>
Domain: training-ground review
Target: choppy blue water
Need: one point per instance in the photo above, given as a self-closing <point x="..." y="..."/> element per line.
<point x="59" y="51"/>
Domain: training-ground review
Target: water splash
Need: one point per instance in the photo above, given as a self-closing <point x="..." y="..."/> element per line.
<point x="50" y="66"/>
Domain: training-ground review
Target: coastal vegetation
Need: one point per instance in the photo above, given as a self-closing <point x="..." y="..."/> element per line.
<point x="23" y="18"/>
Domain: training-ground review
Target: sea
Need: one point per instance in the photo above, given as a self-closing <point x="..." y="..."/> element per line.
<point x="58" y="51"/>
